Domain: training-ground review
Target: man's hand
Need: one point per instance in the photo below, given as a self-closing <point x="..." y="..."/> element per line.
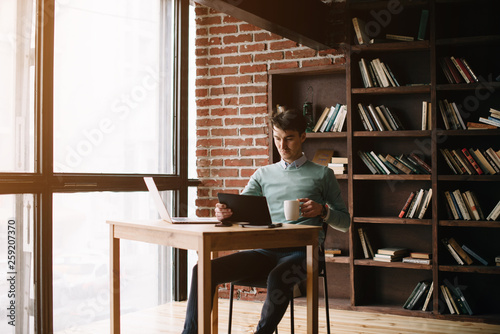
<point x="310" y="208"/>
<point x="222" y="212"/>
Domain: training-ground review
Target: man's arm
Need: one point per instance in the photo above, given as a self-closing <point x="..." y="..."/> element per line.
<point x="338" y="216"/>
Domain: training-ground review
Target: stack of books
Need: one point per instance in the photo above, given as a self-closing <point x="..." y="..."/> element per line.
<point x="455" y="299"/>
<point x="451" y="115"/>
<point x="418" y="258"/>
<point x="376" y="74"/>
<point x="495" y="213"/>
<point x="416" y="204"/>
<point x="331" y="252"/>
<point x="463" y="254"/>
<point x="390" y="254"/>
<point x="397" y="164"/>
<point x="472" y="161"/>
<point x="493" y="119"/>
<point x="463" y="205"/>
<point x="457" y="70"/>
<point x="420" y="296"/>
<point x="365" y="244"/>
<point x="378" y="118"/>
<point x="332" y="119"/>
<point x="338" y="165"/>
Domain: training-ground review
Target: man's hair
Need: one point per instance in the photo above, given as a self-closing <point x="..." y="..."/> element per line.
<point x="289" y="120"/>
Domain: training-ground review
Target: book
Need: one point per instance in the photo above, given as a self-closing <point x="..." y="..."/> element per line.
<point x="383" y="80"/>
<point x="465" y="257"/>
<point x="323" y="157"/>
<point x="339" y="160"/>
<point x="417" y="298"/>
<point x="421" y="162"/>
<point x="422" y="27"/>
<point x="472" y="161"/>
<point x="398" y="164"/>
<point x="412" y="295"/>
<point x="331" y="252"/>
<point x="364" y="244"/>
<point x="421" y="255"/>
<point x="452" y="251"/>
<point x="360" y="31"/>
<point x="489" y="121"/>
<point x="405" y="208"/>
<point x="400" y="37"/>
<point x="409" y="259"/>
<point x="424" y="116"/>
<point x="447" y="299"/>
<point x="321" y="119"/>
<point x="425" y="205"/>
<point x="459" y="297"/>
<point x="393" y="251"/>
<point x="367" y="162"/>
<point x="494" y="213"/>
<point x="480" y="126"/>
<point x="428" y="297"/>
<point x="474" y="255"/>
<point x="461" y="205"/>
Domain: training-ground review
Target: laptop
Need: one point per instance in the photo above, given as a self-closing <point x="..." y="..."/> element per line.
<point x="248" y="210"/>
<point x="162" y="209"/>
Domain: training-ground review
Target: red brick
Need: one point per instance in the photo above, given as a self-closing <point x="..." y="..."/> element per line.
<point x="253" y="89"/>
<point x="259" y="78"/>
<point x="226" y="70"/>
<point x="208" y="102"/>
<point x="208" y="41"/>
<point x="253" y="110"/>
<point x="229" y="172"/>
<point x="232" y="101"/>
<point x="253" y="131"/>
<point x="238" y="59"/>
<point x="252" y="47"/>
<point x="224" y="50"/>
<point x="238" y="80"/>
<point x="261" y="162"/>
<point x="247" y="172"/>
<point x="328" y="52"/>
<point x="242" y="38"/>
<point x="238" y="162"/>
<point x="316" y="62"/>
<point x="339" y="60"/>
<point x="200" y="10"/>
<point x="203" y="173"/>
<point x="208" y="20"/>
<point x="202" y="192"/>
<point x="201" y="52"/>
<point x="209" y="142"/>
<point x="261" y="120"/>
<point x="252" y="68"/>
<point x="253" y="151"/>
<point x="201" y="32"/>
<point x="261" y="142"/>
<point x="209" y="81"/>
<point x="224" y="29"/>
<point x="202" y="132"/>
<point x="230" y="19"/>
<point x="215" y="91"/>
<point x="249" y="27"/>
<point x="260" y="99"/>
<point x="246" y="100"/>
<point x="305" y="53"/>
<point x="202" y="112"/>
<point x="238" y="121"/>
<point x="201" y="92"/>
<point x="224" y="111"/>
<point x="206" y="202"/>
<point x="282" y="65"/>
<point x="201" y="71"/>
<point x="284" y="44"/>
<point x="269" y="56"/>
<point x="238" y="141"/>
<point x="207" y="122"/>
<point x="212" y="183"/>
<point x="224" y="132"/>
<point x="218" y="152"/>
<point x="266" y="36"/>
<point x="202" y="153"/>
<point x="203" y="212"/>
<point x="214" y="61"/>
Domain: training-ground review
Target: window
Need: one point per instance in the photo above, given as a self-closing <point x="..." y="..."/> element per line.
<point x="91" y="95"/>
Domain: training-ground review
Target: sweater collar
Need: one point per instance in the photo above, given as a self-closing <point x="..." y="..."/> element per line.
<point x="296" y="164"/>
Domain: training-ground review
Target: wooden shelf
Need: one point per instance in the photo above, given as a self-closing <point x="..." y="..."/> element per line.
<point x="391" y="220"/>
<point x="392" y="46"/>
<point x="405" y="133"/>
<point x="469" y="41"/>
<point x="490" y="270"/>
<point x="420" y="89"/>
<point x="410" y="177"/>
<point x="373" y="263"/>
<point x="315" y="70"/>
<point x="470" y="223"/>
<point x="480" y="178"/>
<point x="466" y="87"/>
<point x="464" y="133"/>
<point x="337" y="259"/>
<point x="326" y="135"/>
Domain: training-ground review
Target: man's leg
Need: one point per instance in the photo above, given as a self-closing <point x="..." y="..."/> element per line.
<point x="233" y="267"/>
<point x="290" y="270"/>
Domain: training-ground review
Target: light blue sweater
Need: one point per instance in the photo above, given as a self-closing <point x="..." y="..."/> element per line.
<point x="310" y="180"/>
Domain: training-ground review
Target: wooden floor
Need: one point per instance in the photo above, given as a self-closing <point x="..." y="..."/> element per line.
<point x="169" y="318"/>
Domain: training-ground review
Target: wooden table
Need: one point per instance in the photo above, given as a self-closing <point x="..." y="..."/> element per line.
<point x="206" y="238"/>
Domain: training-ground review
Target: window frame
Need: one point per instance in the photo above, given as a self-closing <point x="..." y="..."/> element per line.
<point x="43" y="183"/>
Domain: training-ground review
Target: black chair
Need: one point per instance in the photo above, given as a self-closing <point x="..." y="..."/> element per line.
<point x="262" y="283"/>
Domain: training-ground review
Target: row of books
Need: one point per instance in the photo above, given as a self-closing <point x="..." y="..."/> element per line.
<point x="420" y="297"/>
<point x="398" y="164"/>
<point x="417" y="204"/>
<point x="377" y="74"/>
<point x="450" y="113"/>
<point x="363" y="35"/>
<point x="418" y="258"/>
<point x="338" y="165"/>
<point x="463" y="254"/>
<point x="378" y="118"/>
<point x="472" y="161"/>
<point x="493" y="119"/>
<point x="332" y="119"/>
<point x="457" y="70"/>
<point x="465" y="206"/>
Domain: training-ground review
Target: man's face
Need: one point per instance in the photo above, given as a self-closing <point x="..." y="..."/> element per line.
<point x="288" y="143"/>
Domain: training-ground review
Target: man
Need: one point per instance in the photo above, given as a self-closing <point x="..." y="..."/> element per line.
<point x="294" y="177"/>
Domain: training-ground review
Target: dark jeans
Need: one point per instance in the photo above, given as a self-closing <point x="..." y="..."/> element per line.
<point x="283" y="267"/>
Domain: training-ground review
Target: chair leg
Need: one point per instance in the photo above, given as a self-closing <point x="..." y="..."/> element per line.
<point x="291" y="316"/>
<point x="327" y="307"/>
<point x="231" y="291"/>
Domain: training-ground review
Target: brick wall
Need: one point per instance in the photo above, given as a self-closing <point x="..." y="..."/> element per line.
<point x="232" y="63"/>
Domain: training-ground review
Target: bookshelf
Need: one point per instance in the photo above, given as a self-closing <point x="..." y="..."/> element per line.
<point x="375" y="200"/>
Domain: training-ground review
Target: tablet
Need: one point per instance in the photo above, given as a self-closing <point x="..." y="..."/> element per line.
<point x="252" y="210"/>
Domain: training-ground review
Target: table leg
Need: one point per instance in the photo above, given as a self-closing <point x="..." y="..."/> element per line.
<point x="312" y="288"/>
<point x="204" y="288"/>
<point x="115" y="282"/>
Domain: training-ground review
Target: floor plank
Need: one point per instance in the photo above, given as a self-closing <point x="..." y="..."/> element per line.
<point x="169" y="318"/>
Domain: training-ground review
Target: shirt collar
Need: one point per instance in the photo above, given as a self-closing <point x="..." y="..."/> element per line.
<point x="296" y="164"/>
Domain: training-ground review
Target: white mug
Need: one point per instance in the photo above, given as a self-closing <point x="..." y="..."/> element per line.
<point x="292" y="209"/>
